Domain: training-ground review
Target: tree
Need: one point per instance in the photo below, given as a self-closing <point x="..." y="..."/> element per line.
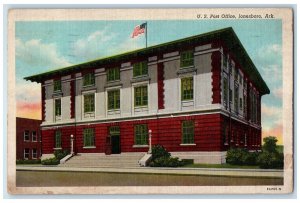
<point x="270" y="144"/>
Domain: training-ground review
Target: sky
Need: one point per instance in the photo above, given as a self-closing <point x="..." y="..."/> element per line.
<point x="49" y="45"/>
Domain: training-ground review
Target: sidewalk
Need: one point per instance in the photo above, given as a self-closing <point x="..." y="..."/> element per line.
<point x="269" y="173"/>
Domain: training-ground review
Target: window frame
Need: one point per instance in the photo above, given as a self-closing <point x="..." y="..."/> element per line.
<point x="188" y="137"/>
<point x="89" y="108"/>
<point x="56" y="107"/>
<point x="88" y="80"/>
<point x="113" y="74"/>
<point x="140" y="69"/>
<point x="58" y="140"/>
<point x="143" y="96"/>
<point x="57" y="86"/>
<point x="24" y="136"/>
<point x="24" y="154"/>
<point x="116" y="99"/>
<point x="34" y="155"/>
<point x="187" y="58"/>
<point x="89" y="137"/>
<point x="225" y="91"/>
<point x="34" y="140"/>
<point x="141" y="136"/>
<point x="189" y="94"/>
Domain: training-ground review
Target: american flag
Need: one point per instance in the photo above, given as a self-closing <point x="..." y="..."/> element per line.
<point x="140" y="29"/>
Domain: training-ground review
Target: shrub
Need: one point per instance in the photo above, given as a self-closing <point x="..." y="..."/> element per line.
<point x="50" y="161"/>
<point x="166" y="162"/>
<point x="250" y="158"/>
<point x="162" y="158"/>
<point x="269" y="160"/>
<point x="236" y="156"/>
<point x="59" y="154"/>
<point x="33" y="161"/>
<point x="159" y="151"/>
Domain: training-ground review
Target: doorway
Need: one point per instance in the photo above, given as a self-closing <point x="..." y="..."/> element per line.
<point x="114" y="132"/>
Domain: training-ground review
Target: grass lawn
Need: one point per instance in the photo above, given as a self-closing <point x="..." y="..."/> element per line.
<point x="219" y="166"/>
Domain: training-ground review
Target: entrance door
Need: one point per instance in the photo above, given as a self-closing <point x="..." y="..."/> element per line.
<point x="114" y="132"/>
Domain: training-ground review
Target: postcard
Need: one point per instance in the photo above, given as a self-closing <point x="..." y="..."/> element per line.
<point x="150" y="101"/>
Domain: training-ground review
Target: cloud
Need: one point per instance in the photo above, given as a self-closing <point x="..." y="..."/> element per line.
<point x="103" y="43"/>
<point x="28" y="92"/>
<point x="271" y="116"/>
<point x="95" y="45"/>
<point x="36" y="54"/>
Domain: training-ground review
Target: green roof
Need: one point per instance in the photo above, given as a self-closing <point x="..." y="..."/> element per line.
<point x="226" y="35"/>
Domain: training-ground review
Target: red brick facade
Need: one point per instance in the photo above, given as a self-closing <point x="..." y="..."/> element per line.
<point x="28" y="143"/>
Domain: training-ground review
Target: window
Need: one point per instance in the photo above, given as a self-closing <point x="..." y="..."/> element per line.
<point x="236" y="98"/>
<point x="89" y="79"/>
<point x="57" y="85"/>
<point x="241" y="104"/>
<point x="113" y="101"/>
<point x="140" y="69"/>
<point x="230" y="95"/>
<point x="141" y="96"/>
<point x="225" y="91"/>
<point x="58" y="139"/>
<point x="188" y="132"/>
<point x="34" y="153"/>
<point x="236" y="75"/>
<point x="113" y="74"/>
<point x="186" y="59"/>
<point x="57" y="107"/>
<point x="187" y="88"/>
<point x="225" y="61"/>
<point x="245" y="104"/>
<point x="141" y="134"/>
<point x="88" y="137"/>
<point x="26" y="153"/>
<point x="34" y="137"/>
<point x="26" y="135"/>
<point x="89" y="103"/>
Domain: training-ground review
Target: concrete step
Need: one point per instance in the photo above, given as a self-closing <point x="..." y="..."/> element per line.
<point x="123" y="160"/>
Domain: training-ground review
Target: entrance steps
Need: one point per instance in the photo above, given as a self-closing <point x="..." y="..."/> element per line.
<point x="92" y="160"/>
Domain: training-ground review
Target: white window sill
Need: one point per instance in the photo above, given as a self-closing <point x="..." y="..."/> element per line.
<point x="57" y="148"/>
<point x="187" y="144"/>
<point x="90" y="147"/>
<point x="140" y="146"/>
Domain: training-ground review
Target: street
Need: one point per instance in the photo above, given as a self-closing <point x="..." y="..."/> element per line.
<point x="61" y="178"/>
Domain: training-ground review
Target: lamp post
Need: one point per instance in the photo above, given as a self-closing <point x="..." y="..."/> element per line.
<point x="150" y="144"/>
<point x="72" y="145"/>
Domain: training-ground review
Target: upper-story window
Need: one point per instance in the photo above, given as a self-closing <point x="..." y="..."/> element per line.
<point x="57" y="85"/>
<point x="186" y="58"/>
<point x="89" y="103"/>
<point x="113" y="74"/>
<point x="26" y="135"/>
<point x="141" y="96"/>
<point x="225" y="91"/>
<point x="113" y="101"/>
<point x="34" y="136"/>
<point x="225" y="61"/>
<point x="236" y="74"/>
<point x="187" y="89"/>
<point x="236" y="99"/>
<point x="89" y="79"/>
<point x="140" y="69"/>
<point x="57" y="107"/>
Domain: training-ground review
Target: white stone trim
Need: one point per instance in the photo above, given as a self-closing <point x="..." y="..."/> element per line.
<point x="140" y="146"/>
<point x="187" y="144"/>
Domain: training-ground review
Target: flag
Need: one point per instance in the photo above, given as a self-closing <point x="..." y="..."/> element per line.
<point x="140" y="29"/>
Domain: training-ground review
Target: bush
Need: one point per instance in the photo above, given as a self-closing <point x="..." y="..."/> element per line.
<point x="159" y="151"/>
<point x="50" y="161"/>
<point x="250" y="158"/>
<point x="59" y="154"/>
<point x="268" y="160"/>
<point x="33" y="161"/>
<point x="166" y="162"/>
<point x="236" y="156"/>
<point x="162" y="158"/>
